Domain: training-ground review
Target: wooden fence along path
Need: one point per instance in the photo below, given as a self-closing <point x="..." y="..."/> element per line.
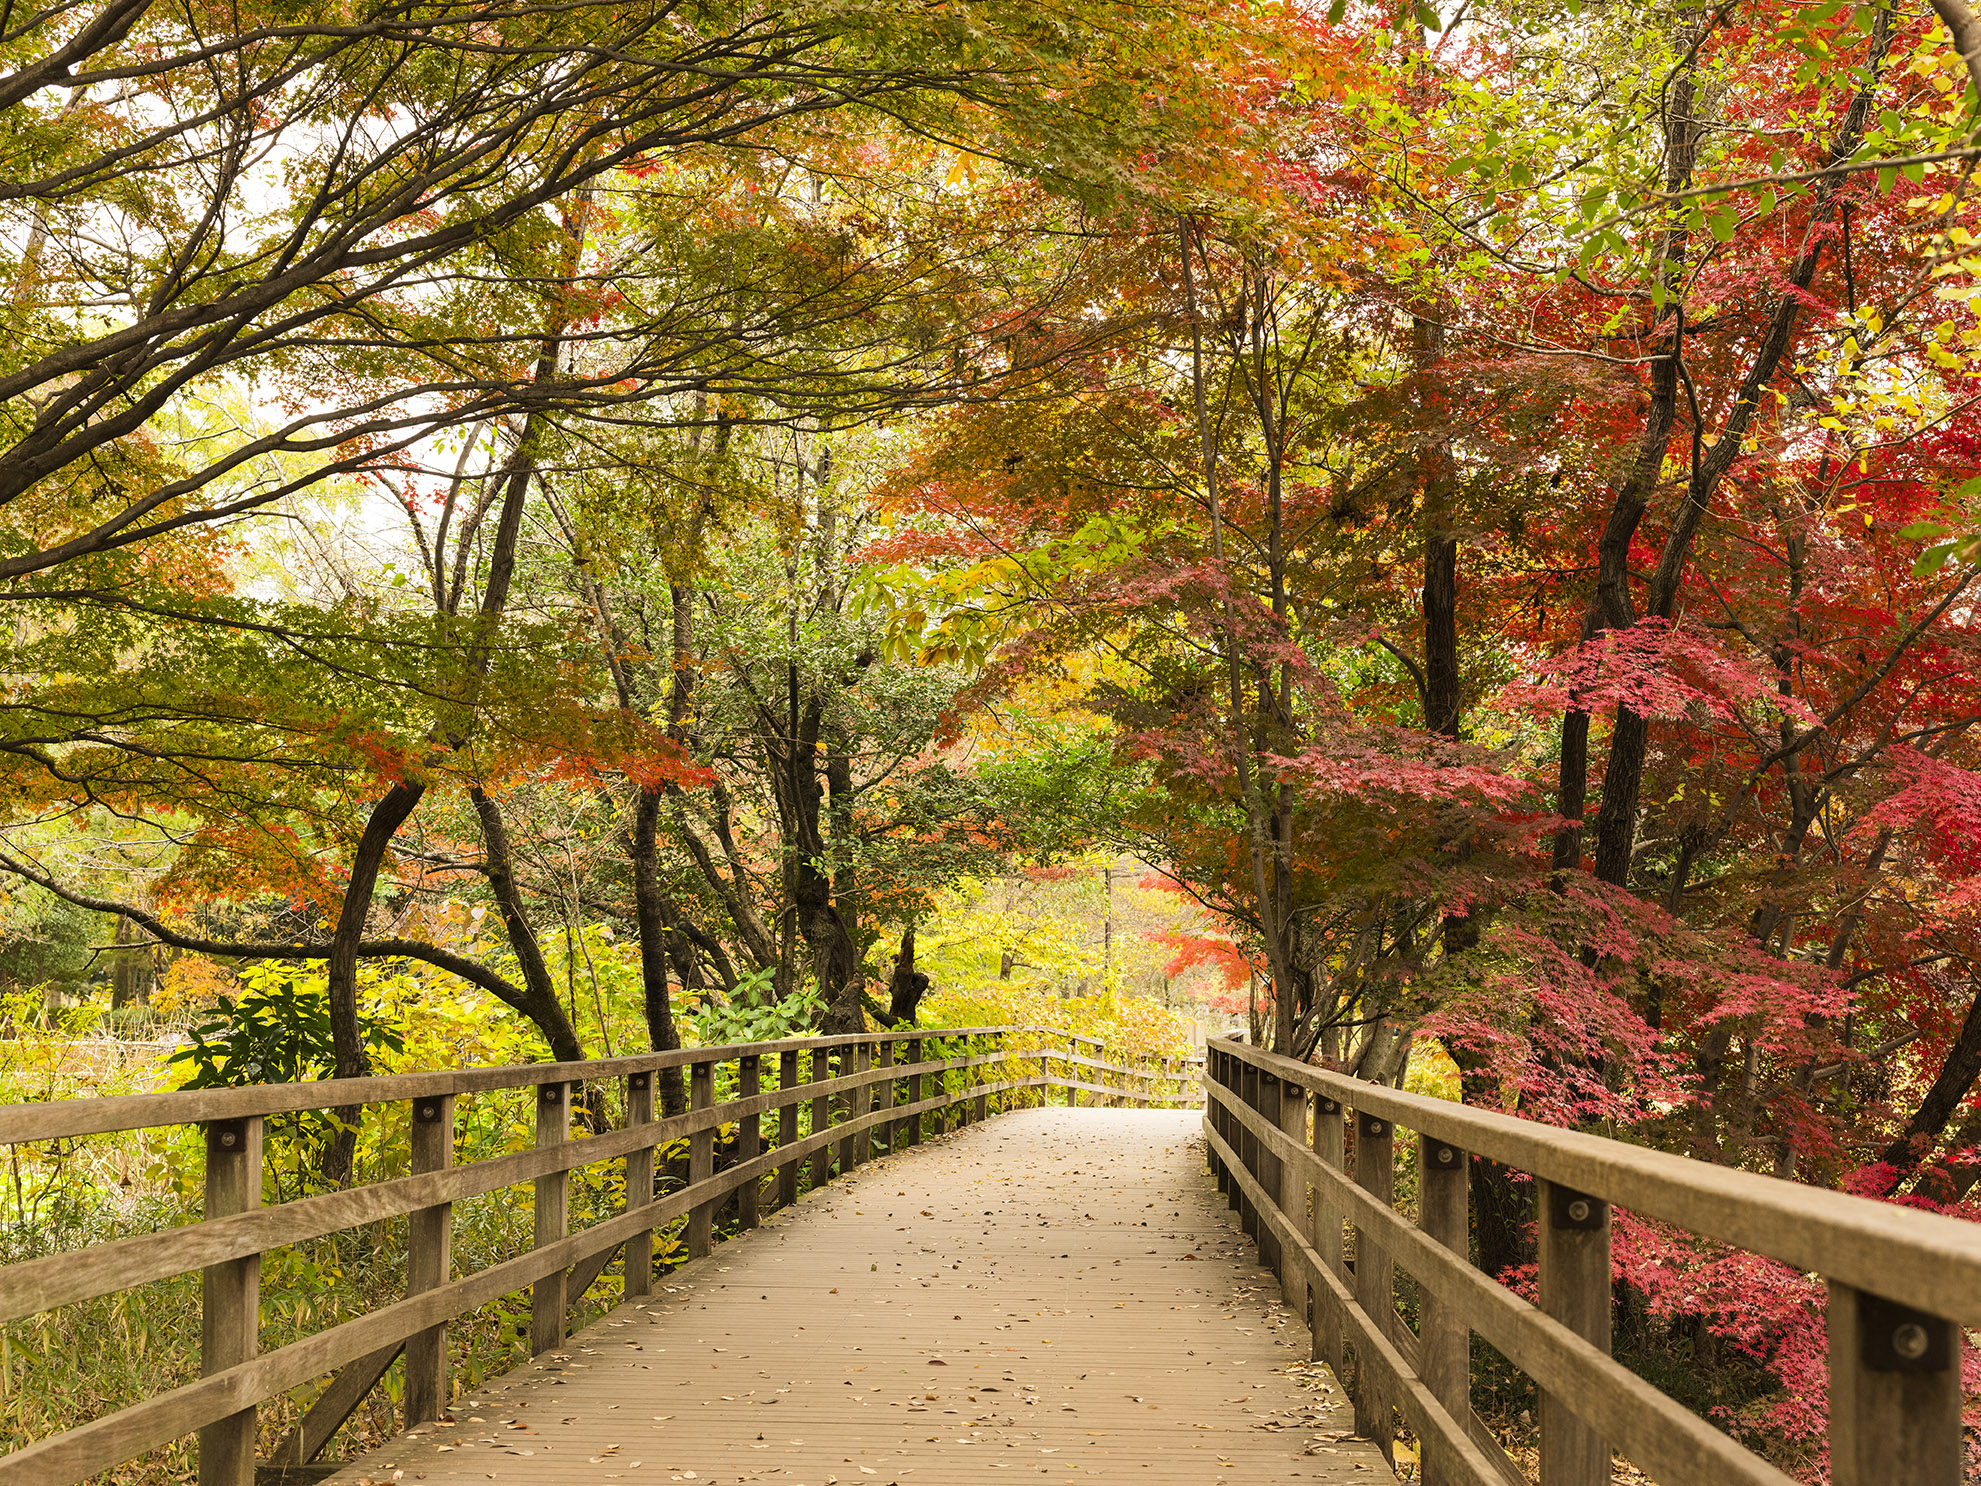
<point x="1903" y="1285"/>
<point x="1006" y="1228"/>
<point x="891" y="1087"/>
<point x="1053" y="1297"/>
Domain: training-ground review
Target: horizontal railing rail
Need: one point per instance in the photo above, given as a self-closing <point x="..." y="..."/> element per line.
<point x="888" y="1086"/>
<point x="1901" y="1283"/>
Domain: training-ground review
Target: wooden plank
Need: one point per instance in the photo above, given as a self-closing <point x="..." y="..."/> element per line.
<point x="749" y="1139"/>
<point x="1444" y="1181"/>
<point x="821" y="1119"/>
<point x="1925" y="1260"/>
<point x="430" y="1258"/>
<point x="639" y="1186"/>
<point x="320" y="1423"/>
<point x="87" y="1449"/>
<point x="1658" y="1435"/>
<point x="230" y="1299"/>
<point x="62" y="1279"/>
<point x="1126" y="1352"/>
<point x="1574" y="1242"/>
<point x="701" y="1158"/>
<point x="552" y="1216"/>
<point x="581" y="1276"/>
<point x="1375" y="1271"/>
<point x="787" y="1125"/>
<point x="61" y="1119"/>
<point x="1443" y="1440"/>
<point x="1330" y="1146"/>
<point x="1895" y="1394"/>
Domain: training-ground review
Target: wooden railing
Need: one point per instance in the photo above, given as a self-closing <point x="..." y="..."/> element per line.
<point x="1902" y="1283"/>
<point x="889" y="1086"/>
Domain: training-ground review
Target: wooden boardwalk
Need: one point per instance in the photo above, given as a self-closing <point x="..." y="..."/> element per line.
<point x="1055" y="1295"/>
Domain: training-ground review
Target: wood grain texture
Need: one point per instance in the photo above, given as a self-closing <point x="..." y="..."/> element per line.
<point x="62" y="1279"/>
<point x="1920" y="1259"/>
<point x="61" y="1119"/>
<point x="1064" y="1282"/>
<point x="1657" y="1434"/>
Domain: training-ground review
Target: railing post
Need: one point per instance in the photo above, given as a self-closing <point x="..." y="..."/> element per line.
<point x="701" y="1159"/>
<point x="1214" y="1111"/>
<point x="749" y="1140"/>
<point x="787" y="1129"/>
<point x="429" y="1259"/>
<point x="1375" y="1276"/>
<point x="230" y="1298"/>
<point x="980" y="1106"/>
<point x="553" y="1216"/>
<point x="1072" y="1072"/>
<point x="1267" y="1169"/>
<point x="1293" y="1193"/>
<point x="639" y="1185"/>
<point x="1329" y="1145"/>
<point x="884" y="1098"/>
<point x="1444" y="1344"/>
<point x="821" y="1118"/>
<point x="1895" y="1393"/>
<point x="1575" y="1289"/>
<point x="915" y="1090"/>
<point x="854" y="1148"/>
<point x="1248" y="1148"/>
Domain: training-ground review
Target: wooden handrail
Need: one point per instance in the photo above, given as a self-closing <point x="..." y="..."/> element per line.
<point x="1902" y="1282"/>
<point x="850" y="1107"/>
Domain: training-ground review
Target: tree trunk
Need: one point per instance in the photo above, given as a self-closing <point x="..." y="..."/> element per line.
<point x="347" y="1036"/>
<point x="650" y="907"/>
<point x="498" y="867"/>
<point x="908" y="985"/>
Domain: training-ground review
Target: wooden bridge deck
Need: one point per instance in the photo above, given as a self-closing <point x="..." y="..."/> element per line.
<point x="1056" y="1295"/>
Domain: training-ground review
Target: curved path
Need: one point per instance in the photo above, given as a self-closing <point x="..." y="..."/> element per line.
<point x="1056" y="1295"/>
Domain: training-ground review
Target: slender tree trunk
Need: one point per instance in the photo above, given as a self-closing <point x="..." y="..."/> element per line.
<point x="498" y="867"/>
<point x="347" y="1036"/>
<point x="649" y="906"/>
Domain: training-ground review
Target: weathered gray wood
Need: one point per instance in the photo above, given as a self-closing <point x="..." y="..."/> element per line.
<point x="430" y="1258"/>
<point x="1375" y="1272"/>
<point x="1330" y="1146"/>
<point x="1573" y="1234"/>
<point x="1925" y="1260"/>
<point x="821" y="1120"/>
<point x="1444" y="1345"/>
<point x="787" y="1124"/>
<point x="639" y="1186"/>
<point x="321" y="1421"/>
<point x="61" y="1279"/>
<point x="89" y="1449"/>
<point x="701" y="1158"/>
<point x="1442" y="1438"/>
<point x="580" y="1277"/>
<point x="230" y="1299"/>
<point x="1659" y="1436"/>
<point x="1123" y="1320"/>
<point x="749" y="1141"/>
<point x="1268" y="1171"/>
<point x="1895" y="1394"/>
<point x="884" y="1098"/>
<point x="862" y="1141"/>
<point x="55" y="1120"/>
<point x="548" y="1300"/>
<point x="1293" y="1193"/>
<point x="915" y="1090"/>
